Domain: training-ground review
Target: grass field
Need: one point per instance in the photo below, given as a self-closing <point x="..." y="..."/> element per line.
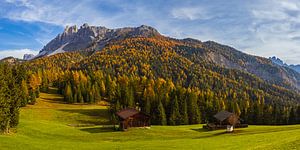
<point x="51" y="124"/>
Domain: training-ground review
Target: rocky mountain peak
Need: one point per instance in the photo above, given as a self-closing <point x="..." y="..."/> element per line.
<point x="28" y="56"/>
<point x="279" y="62"/>
<point x="85" y="25"/>
<point x="73" y="39"/>
<point x="145" y="30"/>
<point x="70" y="29"/>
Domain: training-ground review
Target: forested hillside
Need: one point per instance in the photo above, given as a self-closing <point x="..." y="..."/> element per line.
<point x="167" y="79"/>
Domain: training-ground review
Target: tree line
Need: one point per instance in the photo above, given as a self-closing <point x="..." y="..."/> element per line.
<point x="171" y="104"/>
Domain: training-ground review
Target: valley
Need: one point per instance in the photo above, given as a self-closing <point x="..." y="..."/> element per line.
<point x="53" y="124"/>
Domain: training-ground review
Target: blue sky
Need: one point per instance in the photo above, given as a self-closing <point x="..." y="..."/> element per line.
<point x="259" y="27"/>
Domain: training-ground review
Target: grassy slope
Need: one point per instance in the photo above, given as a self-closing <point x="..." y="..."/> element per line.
<point x="51" y="124"/>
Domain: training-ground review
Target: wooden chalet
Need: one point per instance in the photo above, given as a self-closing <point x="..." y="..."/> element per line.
<point x="130" y="117"/>
<point x="225" y="120"/>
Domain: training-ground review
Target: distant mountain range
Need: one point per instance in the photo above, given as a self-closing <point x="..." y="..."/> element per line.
<point x="279" y="62"/>
<point x="93" y="38"/>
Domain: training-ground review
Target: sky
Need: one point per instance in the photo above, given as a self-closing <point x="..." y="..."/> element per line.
<point x="258" y="27"/>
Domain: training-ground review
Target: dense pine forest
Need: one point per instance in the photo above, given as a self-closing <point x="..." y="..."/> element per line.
<point x="164" y="78"/>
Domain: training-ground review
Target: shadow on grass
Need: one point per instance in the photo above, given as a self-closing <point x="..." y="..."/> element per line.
<point x="200" y="130"/>
<point x="88" y="112"/>
<point x="99" y="129"/>
<point x="211" y="134"/>
<point x="263" y="131"/>
<point x="52" y="91"/>
<point x="238" y="131"/>
<point x="91" y="116"/>
<point x="55" y="100"/>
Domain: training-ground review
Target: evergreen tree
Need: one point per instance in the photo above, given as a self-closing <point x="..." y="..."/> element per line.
<point x="68" y="94"/>
<point x="4" y="101"/>
<point x="118" y="106"/>
<point x="184" y="114"/>
<point x="193" y="108"/>
<point x="109" y="89"/>
<point x="15" y="95"/>
<point x="174" y="118"/>
<point x="298" y="114"/>
<point x="91" y="96"/>
<point x="129" y="97"/>
<point x="25" y="93"/>
<point x="11" y="80"/>
<point x="255" y="113"/>
<point x="161" y="115"/>
<point x="292" y="117"/>
<point x="80" y="97"/>
<point x="75" y="97"/>
<point x="45" y="83"/>
<point x="147" y="108"/>
<point x="148" y="97"/>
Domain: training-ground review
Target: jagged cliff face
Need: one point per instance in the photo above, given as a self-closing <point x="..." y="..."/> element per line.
<point x="92" y="37"/>
<point x="28" y="56"/>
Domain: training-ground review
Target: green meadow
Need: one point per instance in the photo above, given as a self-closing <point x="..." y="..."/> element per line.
<point x="52" y="124"/>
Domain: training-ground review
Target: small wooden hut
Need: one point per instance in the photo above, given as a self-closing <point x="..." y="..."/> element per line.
<point x="130" y="117"/>
<point x="227" y="118"/>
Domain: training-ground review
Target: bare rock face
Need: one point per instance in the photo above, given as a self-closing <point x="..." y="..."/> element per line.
<point x="28" y="56"/>
<point x="73" y="39"/>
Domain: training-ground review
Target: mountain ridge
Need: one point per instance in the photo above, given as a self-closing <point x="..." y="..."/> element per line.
<point x="96" y="37"/>
<point x="93" y="38"/>
<point x="279" y="62"/>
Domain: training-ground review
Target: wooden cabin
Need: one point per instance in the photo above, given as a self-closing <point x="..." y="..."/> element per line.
<point x="225" y="120"/>
<point x="130" y="117"/>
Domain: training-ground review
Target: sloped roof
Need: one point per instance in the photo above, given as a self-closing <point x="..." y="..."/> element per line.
<point x="126" y="113"/>
<point x="223" y="115"/>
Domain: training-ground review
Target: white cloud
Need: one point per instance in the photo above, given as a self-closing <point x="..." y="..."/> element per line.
<point x="61" y="13"/>
<point x="275" y="28"/>
<point x="24" y="3"/>
<point x="289" y="5"/>
<point x="16" y="53"/>
<point x="270" y="15"/>
<point x="190" y="13"/>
